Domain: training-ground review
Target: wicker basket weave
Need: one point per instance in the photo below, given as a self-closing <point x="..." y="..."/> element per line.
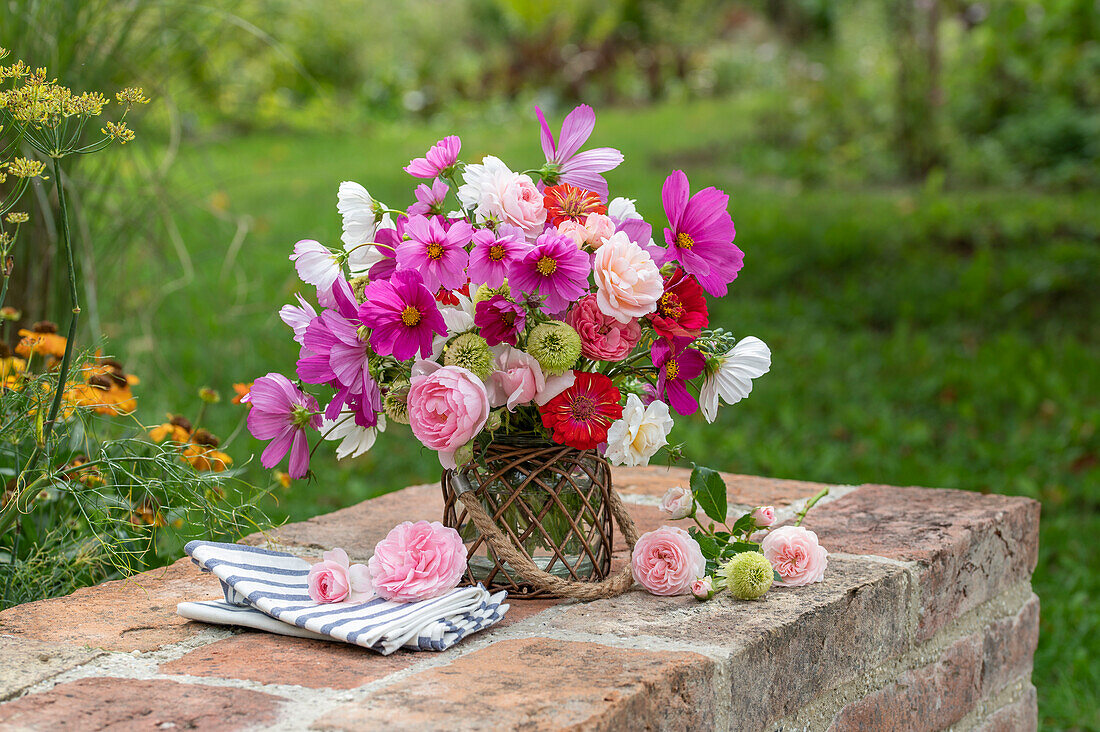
<point x="551" y="502"/>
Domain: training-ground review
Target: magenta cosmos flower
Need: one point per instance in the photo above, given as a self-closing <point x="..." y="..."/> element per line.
<point x="429" y="200"/>
<point x="494" y="253"/>
<point x="402" y="314"/>
<point x="563" y="161"/>
<point x="677" y="364"/>
<point x="281" y="413"/>
<point x="499" y="320"/>
<point x="701" y="234"/>
<point x="437" y="160"/>
<point x="438" y="254"/>
<point x="555" y="268"/>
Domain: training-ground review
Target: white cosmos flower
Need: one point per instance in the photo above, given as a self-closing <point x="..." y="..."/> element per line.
<point x="458" y="319"/>
<point x="482" y="186"/>
<point x="639" y="434"/>
<point x="732" y="380"/>
<point x="316" y="265"/>
<point x="357" y="209"/>
<point x="355" y="440"/>
<point x="298" y="317"/>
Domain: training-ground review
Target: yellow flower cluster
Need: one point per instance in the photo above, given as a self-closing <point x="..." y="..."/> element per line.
<point x="25" y="168"/>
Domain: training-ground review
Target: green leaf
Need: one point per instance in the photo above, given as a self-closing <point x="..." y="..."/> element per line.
<point x="776" y="576"/>
<point x="744" y="524"/>
<point x="710" y="492"/>
<point x="736" y="547"/>
<point x="707" y="544"/>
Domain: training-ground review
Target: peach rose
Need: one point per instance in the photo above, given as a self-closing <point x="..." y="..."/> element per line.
<point x="593" y="231"/>
<point x="628" y="283"/>
<point x="796" y="555"/>
<point x="667" y="561"/>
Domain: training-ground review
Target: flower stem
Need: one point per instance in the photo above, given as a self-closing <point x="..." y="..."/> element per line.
<point x="810" y="504"/>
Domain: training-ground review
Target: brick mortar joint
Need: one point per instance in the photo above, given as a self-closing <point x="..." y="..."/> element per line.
<point x="830" y="702"/>
<point x="1014" y="691"/>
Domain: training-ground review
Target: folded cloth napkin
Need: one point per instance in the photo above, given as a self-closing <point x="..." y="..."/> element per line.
<point x="267" y="590"/>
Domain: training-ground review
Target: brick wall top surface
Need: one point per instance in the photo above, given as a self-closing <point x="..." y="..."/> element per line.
<point x="911" y="571"/>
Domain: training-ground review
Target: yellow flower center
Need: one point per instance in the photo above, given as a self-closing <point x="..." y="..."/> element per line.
<point x="435" y="251"/>
<point x="671" y="369"/>
<point x="496" y="252"/>
<point x="670" y="306"/>
<point x="410" y="316"/>
<point x="546" y="266"/>
<point x="684" y="240"/>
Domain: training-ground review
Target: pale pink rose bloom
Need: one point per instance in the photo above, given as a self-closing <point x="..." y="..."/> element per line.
<point x="574" y="230"/>
<point x="796" y="555"/>
<point x="335" y="579"/>
<point x="764" y="516"/>
<point x="677" y="502"/>
<point x="628" y="283"/>
<point x="516" y="381"/>
<point x="417" y="561"/>
<point x="599" y="228"/>
<point x="555" y="385"/>
<point x="521" y="205"/>
<point x="448" y="406"/>
<point x="702" y="588"/>
<point x="667" y="561"/>
<point x="603" y="338"/>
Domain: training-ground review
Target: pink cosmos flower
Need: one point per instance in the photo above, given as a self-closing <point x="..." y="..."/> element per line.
<point x="700" y="234"/>
<point x="555" y="268"/>
<point x="494" y="253"/>
<point x="335" y="579"/>
<point x="281" y="413"/>
<point x="438" y="254"/>
<point x="677" y="502"/>
<point x="448" y="406"/>
<point x="441" y="156"/>
<point x="429" y="201"/>
<point x="402" y="314"/>
<point x="667" y="561"/>
<point x="764" y="516"/>
<point x="628" y="283"/>
<point x="796" y="555"/>
<point x="417" y="561"/>
<point x="499" y="320"/>
<point x="564" y="162"/>
<point x="678" y="364"/>
<point x="603" y="338"/>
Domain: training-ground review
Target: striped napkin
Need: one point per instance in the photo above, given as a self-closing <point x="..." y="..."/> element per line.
<point x="267" y="590"/>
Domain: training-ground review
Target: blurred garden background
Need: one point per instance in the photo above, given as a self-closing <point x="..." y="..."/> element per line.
<point x="916" y="185"/>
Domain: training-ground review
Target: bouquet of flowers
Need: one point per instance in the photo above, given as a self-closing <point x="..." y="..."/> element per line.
<point x="511" y="303"/>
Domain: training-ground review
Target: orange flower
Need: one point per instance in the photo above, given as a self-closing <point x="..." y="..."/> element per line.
<point x="107" y="390"/>
<point x="177" y="429"/>
<point x="282" y="478"/>
<point x="42" y="339"/>
<point x="242" y="391"/>
<point x="146" y="513"/>
<point x="10" y="365"/>
<point x="90" y="476"/>
<point x="203" y="455"/>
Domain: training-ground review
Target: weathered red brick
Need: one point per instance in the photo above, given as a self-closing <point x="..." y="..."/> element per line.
<point x="278" y="659"/>
<point x="127" y="704"/>
<point x="1009" y="647"/>
<point x="1021" y="715"/>
<point x="541" y="684"/>
<point x="26" y="662"/>
<point x="926" y="699"/>
<point x="138" y="613"/>
<point x="969" y="547"/>
<point x="783" y="650"/>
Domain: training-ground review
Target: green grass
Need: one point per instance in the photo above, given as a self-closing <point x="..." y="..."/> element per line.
<point x="919" y="336"/>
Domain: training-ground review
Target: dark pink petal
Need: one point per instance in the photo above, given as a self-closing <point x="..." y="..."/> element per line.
<point x="299" y="455"/>
<point x="674" y="196"/>
<point x="680" y="399"/>
<point x="545" y="136"/>
<point x="265" y="425"/>
<point x="277" y="448"/>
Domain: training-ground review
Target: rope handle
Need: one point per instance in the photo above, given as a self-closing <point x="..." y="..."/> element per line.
<point x="615" y="584"/>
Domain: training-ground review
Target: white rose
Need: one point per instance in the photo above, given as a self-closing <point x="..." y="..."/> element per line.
<point x="677" y="503"/>
<point x="639" y="434"/>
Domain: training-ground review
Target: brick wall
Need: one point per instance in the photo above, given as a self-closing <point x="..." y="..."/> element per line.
<point x="925" y="621"/>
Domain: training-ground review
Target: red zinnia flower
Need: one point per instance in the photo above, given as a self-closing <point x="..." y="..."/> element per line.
<point x="448" y="297"/>
<point x="682" y="310"/>
<point x="565" y="202"/>
<point x="581" y="415"/>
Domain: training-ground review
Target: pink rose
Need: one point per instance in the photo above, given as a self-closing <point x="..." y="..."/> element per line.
<point x="516" y="381"/>
<point x="628" y="283"/>
<point x="417" y="561"/>
<point x="574" y="230"/>
<point x="764" y="516"/>
<point x="593" y="231"/>
<point x="796" y="555"/>
<point x="521" y="205"/>
<point x="702" y="588"/>
<point x="448" y="406"/>
<point x="667" y="561"/>
<point x="603" y="338"/>
<point x="334" y="579"/>
<point x="677" y="502"/>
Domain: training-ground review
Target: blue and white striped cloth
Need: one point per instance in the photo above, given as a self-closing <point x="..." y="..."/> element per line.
<point x="267" y="590"/>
